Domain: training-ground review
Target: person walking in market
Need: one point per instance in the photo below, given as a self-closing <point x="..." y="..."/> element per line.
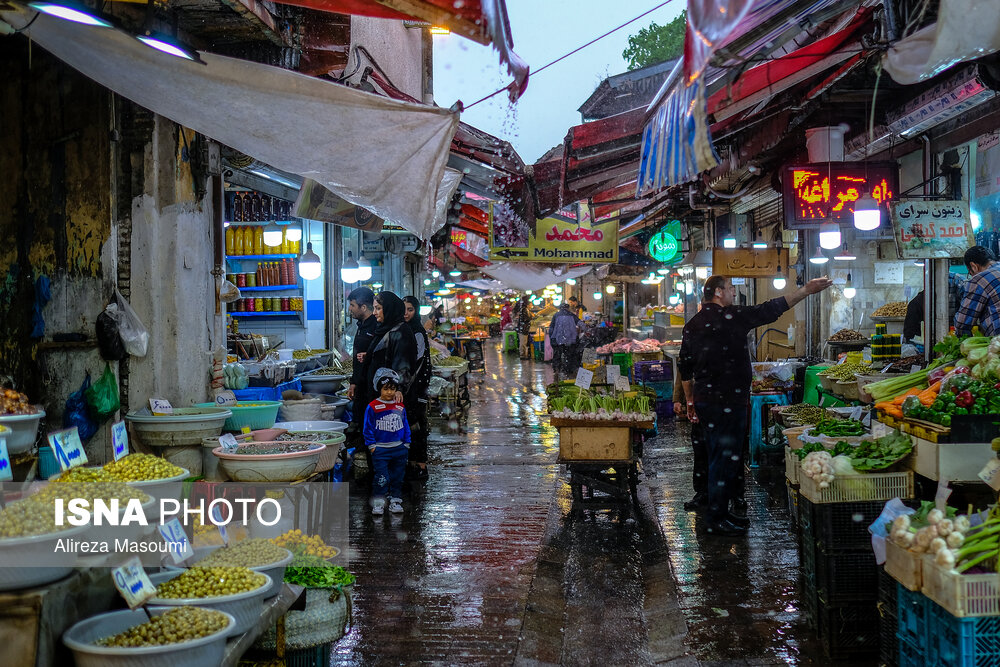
<point x="981" y="301"/>
<point x="564" y="331"/>
<point x="387" y="437"/>
<point x="415" y="397"/>
<point x="361" y="307"/>
<point x="523" y="323"/>
<point x="715" y="370"/>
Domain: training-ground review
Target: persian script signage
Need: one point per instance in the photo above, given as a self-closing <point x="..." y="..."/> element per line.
<point x="738" y="262"/>
<point x="927" y="229"/>
<point x="560" y="238"/>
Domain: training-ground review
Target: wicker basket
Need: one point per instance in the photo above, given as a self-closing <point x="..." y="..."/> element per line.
<point x="308" y="409"/>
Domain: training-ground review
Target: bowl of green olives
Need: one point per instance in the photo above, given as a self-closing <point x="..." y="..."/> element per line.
<point x="238" y="591"/>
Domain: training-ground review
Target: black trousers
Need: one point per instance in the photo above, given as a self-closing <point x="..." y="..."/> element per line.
<point x="724" y="428"/>
<point x="416" y="415"/>
<point x="699" y="476"/>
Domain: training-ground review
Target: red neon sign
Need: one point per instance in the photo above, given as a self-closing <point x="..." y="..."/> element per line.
<point x="814" y="194"/>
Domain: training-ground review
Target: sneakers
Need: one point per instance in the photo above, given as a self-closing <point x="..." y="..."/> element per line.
<point x="396" y="505"/>
<point x="378" y="506"/>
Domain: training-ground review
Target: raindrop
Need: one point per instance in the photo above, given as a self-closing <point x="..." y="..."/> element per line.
<point x="729" y="316"/>
<point x="711" y="424"/>
<point x="458" y="4"/>
<point x="736" y="458"/>
<point x="727" y="410"/>
<point x="858" y="518"/>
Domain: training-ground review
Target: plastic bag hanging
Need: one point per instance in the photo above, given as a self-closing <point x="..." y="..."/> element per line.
<point x="76" y="413"/>
<point x="102" y="398"/>
<point x="130" y="327"/>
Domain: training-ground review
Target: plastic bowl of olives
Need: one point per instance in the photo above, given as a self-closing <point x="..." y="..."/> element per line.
<point x="260" y="555"/>
<point x="270" y="461"/>
<point x="238" y="591"/>
<point x="189" y="636"/>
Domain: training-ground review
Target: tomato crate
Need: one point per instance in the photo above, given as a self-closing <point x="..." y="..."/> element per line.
<point x="846" y="577"/>
<point x="909" y="655"/>
<point x="792" y="466"/>
<point x="961" y="594"/>
<point x="848" y="631"/>
<point x="843" y="526"/>
<point x="852" y="488"/>
<point x="963" y="642"/>
<point x="904" y="566"/>
<point x="913" y="614"/>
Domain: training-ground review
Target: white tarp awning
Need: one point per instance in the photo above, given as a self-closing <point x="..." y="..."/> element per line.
<point x="529" y="275"/>
<point x="378" y="153"/>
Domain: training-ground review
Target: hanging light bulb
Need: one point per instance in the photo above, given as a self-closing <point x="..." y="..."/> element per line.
<point x="272" y="235"/>
<point x="449" y="285"/>
<point x="867" y="215"/>
<point x="760" y="243"/>
<point x="610" y="289"/>
<point x="364" y="268"/>
<point x="455" y="273"/>
<point x="829" y="235"/>
<point x="674" y="299"/>
<point x="729" y="242"/>
<point x="293" y="232"/>
<point x="844" y="255"/>
<point x="68" y="12"/>
<point x="427" y="281"/>
<point x="819" y="257"/>
<point x="663" y="270"/>
<point x="309" y="266"/>
<point x="849" y="291"/>
<point x="598" y="296"/>
<point x="571" y="281"/>
<point x="349" y="271"/>
<point x="918" y="262"/>
<point x="779" y="280"/>
<point x="435" y="274"/>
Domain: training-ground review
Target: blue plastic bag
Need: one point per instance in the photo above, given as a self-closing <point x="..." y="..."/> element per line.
<point x="77" y="414"/>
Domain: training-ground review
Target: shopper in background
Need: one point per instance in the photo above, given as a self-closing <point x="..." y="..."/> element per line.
<point x="914" y="317"/>
<point x="564" y="331"/>
<point x="393" y="344"/>
<point x="361" y="305"/>
<point x="699" y="473"/>
<point x="577" y="308"/>
<point x="981" y="302"/>
<point x="523" y="323"/>
<point x="387" y="437"/>
<point x="505" y="317"/>
<point x="415" y="396"/>
<point x="715" y="370"/>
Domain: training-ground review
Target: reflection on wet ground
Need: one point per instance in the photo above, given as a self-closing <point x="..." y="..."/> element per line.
<point x="486" y="566"/>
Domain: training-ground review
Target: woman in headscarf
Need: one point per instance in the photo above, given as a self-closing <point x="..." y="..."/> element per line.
<point x="393" y="345"/>
<point x="416" y="398"/>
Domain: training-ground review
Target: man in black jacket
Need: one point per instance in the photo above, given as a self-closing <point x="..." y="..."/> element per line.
<point x="361" y="305"/>
<point x="714" y="364"/>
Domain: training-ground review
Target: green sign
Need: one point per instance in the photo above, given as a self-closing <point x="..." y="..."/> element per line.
<point x="663" y="246"/>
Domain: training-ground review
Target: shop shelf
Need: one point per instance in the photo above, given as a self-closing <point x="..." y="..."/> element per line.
<point x="963" y="642"/>
<point x="846" y="577"/>
<point x="261" y="257"/>
<point x="271" y="288"/>
<point x="961" y="594"/>
<point x="909" y="655"/>
<point x="913" y="614"/>
<point x="849" y="631"/>
<point x="854" y="488"/>
<point x="904" y="566"/>
<point x="268" y="313"/>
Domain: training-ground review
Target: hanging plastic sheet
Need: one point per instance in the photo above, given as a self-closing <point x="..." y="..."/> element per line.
<point x="709" y="23"/>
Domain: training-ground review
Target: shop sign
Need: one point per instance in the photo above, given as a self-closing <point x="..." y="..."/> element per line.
<point x="816" y="193"/>
<point x="749" y="263"/>
<point x="317" y="203"/>
<point x="929" y="229"/>
<point x="663" y="247"/>
<point x="559" y="238"/>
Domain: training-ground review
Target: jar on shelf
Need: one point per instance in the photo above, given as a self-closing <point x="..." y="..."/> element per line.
<point x="284" y="305"/>
<point x="241" y="280"/>
<point x="250" y="305"/>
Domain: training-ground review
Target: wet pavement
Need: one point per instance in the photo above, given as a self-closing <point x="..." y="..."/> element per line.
<point x="486" y="565"/>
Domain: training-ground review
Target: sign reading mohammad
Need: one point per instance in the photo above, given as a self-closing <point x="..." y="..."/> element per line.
<point x="566" y="236"/>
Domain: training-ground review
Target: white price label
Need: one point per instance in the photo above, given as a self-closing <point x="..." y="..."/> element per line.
<point x="614" y="372"/>
<point x="6" y="471"/>
<point x="990" y="474"/>
<point x="225" y="399"/>
<point x="584" y="378"/>
<point x="941" y="497"/>
<point x="914" y="368"/>
<point x="173" y="533"/>
<point x="229" y="444"/>
<point x="621" y="384"/>
<point x="119" y="439"/>
<point x="67" y="448"/>
<point x="160" y="406"/>
<point x="133" y="584"/>
<point x="217" y="519"/>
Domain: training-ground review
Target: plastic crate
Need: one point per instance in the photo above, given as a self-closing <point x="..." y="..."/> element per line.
<point x="909" y="655"/>
<point x="961" y="594"/>
<point x="854" y="488"/>
<point x="653" y="371"/>
<point x="664" y="390"/>
<point x="842" y="526"/>
<point x="314" y="656"/>
<point x="904" y="566"/>
<point x="808" y="603"/>
<point x="623" y="360"/>
<point x="913" y="618"/>
<point x="846" y="577"/>
<point x="974" y="428"/>
<point x="646" y="356"/>
<point x="963" y="642"/>
<point x="888" y="622"/>
<point x="848" y="632"/>
<point x="793" y="504"/>
<point x="792" y="466"/>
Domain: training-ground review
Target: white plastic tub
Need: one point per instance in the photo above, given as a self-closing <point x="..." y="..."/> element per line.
<point x="186" y="426"/>
<point x="39" y="549"/>
<point x="333" y="426"/>
<point x="23" y="431"/>
<point x="245" y="607"/>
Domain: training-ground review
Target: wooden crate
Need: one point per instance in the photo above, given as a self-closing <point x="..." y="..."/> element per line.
<point x="956" y="462"/>
<point x="589" y="443"/>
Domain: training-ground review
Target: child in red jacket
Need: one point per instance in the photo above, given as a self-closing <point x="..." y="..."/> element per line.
<point x="387" y="434"/>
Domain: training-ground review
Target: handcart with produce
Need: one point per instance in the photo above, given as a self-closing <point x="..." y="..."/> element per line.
<point x="601" y="434"/>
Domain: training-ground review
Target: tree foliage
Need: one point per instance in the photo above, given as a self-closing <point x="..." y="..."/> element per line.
<point x="656" y="44"/>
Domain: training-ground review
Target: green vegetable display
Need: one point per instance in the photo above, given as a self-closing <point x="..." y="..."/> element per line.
<point x="838" y="428"/>
<point x="881" y="453"/>
<point x="314" y="572"/>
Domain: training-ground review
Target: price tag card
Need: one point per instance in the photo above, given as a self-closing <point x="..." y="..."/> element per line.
<point x="119" y="439"/>
<point x="614" y="372"/>
<point x="6" y="471"/>
<point x="941" y="497"/>
<point x="229" y="444"/>
<point x="991" y="474"/>
<point x="67" y="448"/>
<point x="217" y="517"/>
<point x="133" y="584"/>
<point x="225" y="399"/>
<point x="160" y="406"/>
<point x="621" y="384"/>
<point x="173" y="533"/>
<point x="584" y="378"/>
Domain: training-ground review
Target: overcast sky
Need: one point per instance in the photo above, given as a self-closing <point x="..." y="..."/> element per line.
<point x="543" y="30"/>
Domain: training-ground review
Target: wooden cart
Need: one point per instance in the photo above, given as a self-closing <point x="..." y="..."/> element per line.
<point x="603" y="461"/>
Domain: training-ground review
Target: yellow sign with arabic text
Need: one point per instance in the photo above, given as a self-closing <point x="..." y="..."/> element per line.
<point x="928" y="229"/>
<point x="568" y="236"/>
<point x="743" y="263"/>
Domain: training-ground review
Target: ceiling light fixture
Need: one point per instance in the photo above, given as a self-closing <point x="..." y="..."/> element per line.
<point x="779" y="280"/>
<point x="760" y="243"/>
<point x="455" y="273"/>
<point x="844" y="255"/>
<point x="309" y="266"/>
<point x="349" y="271"/>
<point x="729" y="242"/>
<point x="849" y="291"/>
<point x="829" y="235"/>
<point x="168" y="45"/>
<point x="819" y="257"/>
<point x="272" y="235"/>
<point x="598" y="296"/>
<point x="364" y="268"/>
<point x="69" y="12"/>
<point x="610" y="289"/>
<point x="293" y="232"/>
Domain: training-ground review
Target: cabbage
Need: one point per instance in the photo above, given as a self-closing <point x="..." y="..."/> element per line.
<point x="991" y="368"/>
<point x="978" y="371"/>
<point x="972" y="343"/>
<point x="995" y="345"/>
<point x="978" y="354"/>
